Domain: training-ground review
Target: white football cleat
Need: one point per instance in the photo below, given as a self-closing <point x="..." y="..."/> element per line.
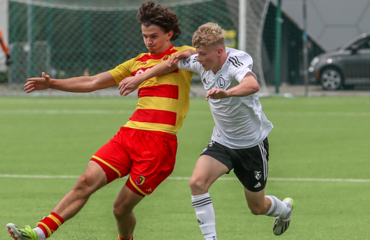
<point x="282" y="224"/>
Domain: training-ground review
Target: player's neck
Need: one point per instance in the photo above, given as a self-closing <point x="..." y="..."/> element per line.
<point x="163" y="49"/>
<point x="220" y="63"/>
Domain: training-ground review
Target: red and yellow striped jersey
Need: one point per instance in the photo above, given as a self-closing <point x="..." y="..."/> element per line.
<point x="164" y="100"/>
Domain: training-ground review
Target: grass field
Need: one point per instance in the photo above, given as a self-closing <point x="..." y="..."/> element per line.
<point x="319" y="155"/>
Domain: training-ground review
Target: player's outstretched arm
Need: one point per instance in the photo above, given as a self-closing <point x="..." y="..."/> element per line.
<point x="247" y="86"/>
<point x="75" y="84"/>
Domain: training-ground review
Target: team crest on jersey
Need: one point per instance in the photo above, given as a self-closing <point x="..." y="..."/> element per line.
<point x="143" y="63"/>
<point x="221" y="82"/>
<point x="166" y="57"/>
<point x="140" y="180"/>
<point x="257" y="175"/>
<point x="210" y="144"/>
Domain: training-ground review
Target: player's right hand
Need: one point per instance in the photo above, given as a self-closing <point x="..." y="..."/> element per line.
<point x="128" y="85"/>
<point x="33" y="84"/>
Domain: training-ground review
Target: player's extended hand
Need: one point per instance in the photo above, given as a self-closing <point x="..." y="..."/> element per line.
<point x="128" y="85"/>
<point x="33" y="84"/>
<point x="184" y="54"/>
<point x="216" y="94"/>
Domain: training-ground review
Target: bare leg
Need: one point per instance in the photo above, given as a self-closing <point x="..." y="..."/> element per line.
<point x="93" y="178"/>
<point x="123" y="207"/>
<point x="206" y="171"/>
<point x="257" y="202"/>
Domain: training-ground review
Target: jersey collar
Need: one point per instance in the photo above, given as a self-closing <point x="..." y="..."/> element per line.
<point x="169" y="51"/>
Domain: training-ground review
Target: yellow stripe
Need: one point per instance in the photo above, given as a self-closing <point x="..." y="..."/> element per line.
<point x="56" y="220"/>
<point x="46" y="227"/>
<point x="133" y="184"/>
<point x="110" y="166"/>
<point x="162" y="103"/>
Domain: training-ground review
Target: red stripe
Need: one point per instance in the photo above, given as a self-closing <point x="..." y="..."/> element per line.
<point x="148" y="56"/>
<point x="165" y="91"/>
<point x="140" y="71"/>
<point x="154" y="116"/>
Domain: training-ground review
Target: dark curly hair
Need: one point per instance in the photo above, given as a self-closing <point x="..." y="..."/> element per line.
<point x="163" y="17"/>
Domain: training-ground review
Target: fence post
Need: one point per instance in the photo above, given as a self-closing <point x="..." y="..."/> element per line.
<point x="305" y="49"/>
<point x="278" y="46"/>
<point x="30" y="37"/>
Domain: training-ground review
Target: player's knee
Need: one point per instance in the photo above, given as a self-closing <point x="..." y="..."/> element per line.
<point x="197" y="185"/>
<point x="117" y="212"/>
<point x="84" y="184"/>
<point x="120" y="211"/>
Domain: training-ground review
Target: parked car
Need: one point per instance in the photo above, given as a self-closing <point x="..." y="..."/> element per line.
<point x="343" y="68"/>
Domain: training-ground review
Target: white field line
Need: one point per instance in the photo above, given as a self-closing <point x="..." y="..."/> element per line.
<point x="102" y="111"/>
<point x="187" y="178"/>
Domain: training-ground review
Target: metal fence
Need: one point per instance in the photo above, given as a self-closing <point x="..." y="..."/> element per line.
<point x="70" y="38"/>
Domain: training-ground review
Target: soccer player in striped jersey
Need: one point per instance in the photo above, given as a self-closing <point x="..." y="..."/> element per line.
<point x="145" y="147"/>
<point x="239" y="138"/>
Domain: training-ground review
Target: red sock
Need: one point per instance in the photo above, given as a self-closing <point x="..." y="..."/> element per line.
<point x="130" y="238"/>
<point x="50" y="224"/>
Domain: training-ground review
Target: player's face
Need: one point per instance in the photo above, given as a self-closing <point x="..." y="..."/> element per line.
<point x="155" y="39"/>
<point x="209" y="57"/>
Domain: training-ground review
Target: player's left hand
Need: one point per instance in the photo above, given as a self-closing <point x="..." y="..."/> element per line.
<point x="181" y="55"/>
<point x="217" y="94"/>
<point x="128" y="85"/>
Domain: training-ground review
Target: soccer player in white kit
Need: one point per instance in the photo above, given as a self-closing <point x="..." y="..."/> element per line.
<point x="239" y="138"/>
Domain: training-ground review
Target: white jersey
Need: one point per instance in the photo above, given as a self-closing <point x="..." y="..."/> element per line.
<point x="239" y="121"/>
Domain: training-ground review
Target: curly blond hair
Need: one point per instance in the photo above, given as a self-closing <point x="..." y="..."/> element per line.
<point x="209" y="34"/>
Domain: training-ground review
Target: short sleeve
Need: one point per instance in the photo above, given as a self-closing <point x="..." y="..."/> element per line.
<point x="122" y="71"/>
<point x="240" y="66"/>
<point x="191" y="64"/>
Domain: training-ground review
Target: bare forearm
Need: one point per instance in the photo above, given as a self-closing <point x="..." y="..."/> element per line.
<point x="84" y="83"/>
<point x="158" y="70"/>
<point x="75" y="84"/>
<point x="248" y="86"/>
<point x="242" y="91"/>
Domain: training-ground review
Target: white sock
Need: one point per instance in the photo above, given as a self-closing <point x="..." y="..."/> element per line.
<point x="205" y="214"/>
<point x="40" y="233"/>
<point x="278" y="208"/>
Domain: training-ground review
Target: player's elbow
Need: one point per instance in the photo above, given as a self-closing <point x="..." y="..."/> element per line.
<point x="254" y="87"/>
<point x="100" y="81"/>
<point x="93" y="85"/>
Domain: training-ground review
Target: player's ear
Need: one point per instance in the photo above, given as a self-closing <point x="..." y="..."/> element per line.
<point x="219" y="51"/>
<point x="170" y="34"/>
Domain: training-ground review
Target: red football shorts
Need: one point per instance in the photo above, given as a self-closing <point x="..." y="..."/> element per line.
<point x="148" y="156"/>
